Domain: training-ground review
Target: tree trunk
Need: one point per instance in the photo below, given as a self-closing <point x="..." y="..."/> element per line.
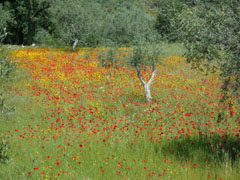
<point x="3" y="35"/>
<point x="74" y="44"/>
<point x="147" y="92"/>
<point x="148" y="84"/>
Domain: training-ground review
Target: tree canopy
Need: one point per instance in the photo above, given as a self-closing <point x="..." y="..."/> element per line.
<point x="92" y="22"/>
<point x="27" y="16"/>
<point x="211" y="34"/>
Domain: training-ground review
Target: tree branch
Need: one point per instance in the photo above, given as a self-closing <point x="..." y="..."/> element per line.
<point x="45" y="5"/>
<point x="153" y="73"/>
<point x="139" y="75"/>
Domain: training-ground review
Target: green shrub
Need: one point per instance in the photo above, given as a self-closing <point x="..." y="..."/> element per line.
<point x="4" y="149"/>
<point x="44" y="38"/>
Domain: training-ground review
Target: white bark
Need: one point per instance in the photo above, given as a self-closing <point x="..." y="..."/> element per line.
<point x="147" y="92"/>
<point x="75" y="44"/>
<point x="3" y="35"/>
<point x="148" y="84"/>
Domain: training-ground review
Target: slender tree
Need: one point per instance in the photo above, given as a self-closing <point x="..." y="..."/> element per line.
<point x="142" y="57"/>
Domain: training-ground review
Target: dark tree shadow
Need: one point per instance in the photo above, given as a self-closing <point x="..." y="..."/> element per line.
<point x="211" y="149"/>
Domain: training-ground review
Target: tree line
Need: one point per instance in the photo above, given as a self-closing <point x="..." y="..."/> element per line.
<point x="80" y="22"/>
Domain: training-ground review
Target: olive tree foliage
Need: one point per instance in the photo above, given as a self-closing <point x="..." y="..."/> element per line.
<point x="211" y="34"/>
<point x="129" y="24"/>
<point x="166" y="11"/>
<point x="97" y="23"/>
<point x="110" y="58"/>
<point x="77" y="22"/>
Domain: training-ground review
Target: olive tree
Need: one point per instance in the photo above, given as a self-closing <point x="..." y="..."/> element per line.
<point x="77" y="22"/>
<point x="141" y="57"/>
<point x="211" y="34"/>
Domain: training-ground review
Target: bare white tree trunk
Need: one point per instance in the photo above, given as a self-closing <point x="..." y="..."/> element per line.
<point x="148" y="84"/>
<point x="75" y="44"/>
<point x="147" y="92"/>
<point x="3" y="35"/>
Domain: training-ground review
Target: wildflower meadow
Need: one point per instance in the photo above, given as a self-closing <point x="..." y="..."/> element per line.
<point x="79" y="120"/>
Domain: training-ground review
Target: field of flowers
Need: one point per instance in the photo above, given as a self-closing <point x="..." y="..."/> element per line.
<point x="77" y="120"/>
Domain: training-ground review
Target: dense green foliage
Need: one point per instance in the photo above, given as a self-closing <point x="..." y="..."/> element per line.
<point x="28" y="17"/>
<point x="211" y="33"/>
<point x="130" y="25"/>
<point x="4" y="17"/>
<point x="90" y="23"/>
<point x="167" y="12"/>
<point x="78" y="21"/>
